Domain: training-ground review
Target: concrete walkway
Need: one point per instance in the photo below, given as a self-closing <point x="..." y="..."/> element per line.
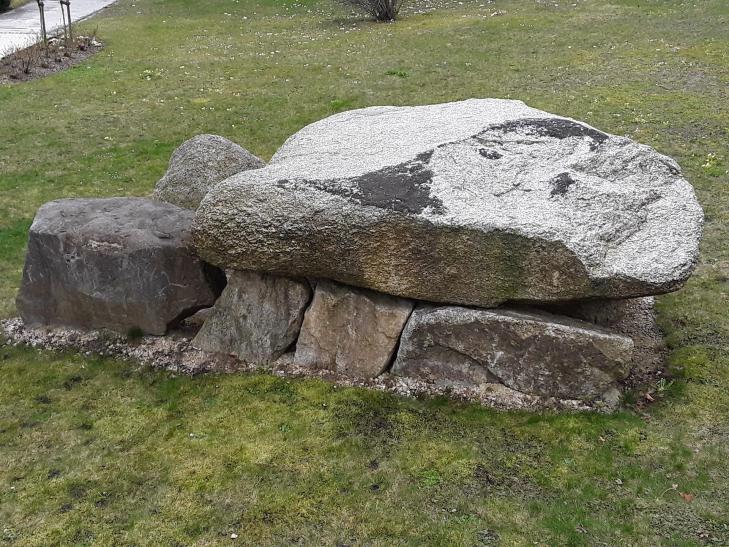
<point x="20" y="27"/>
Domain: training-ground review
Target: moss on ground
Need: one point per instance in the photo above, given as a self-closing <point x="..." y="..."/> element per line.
<point x="102" y="452"/>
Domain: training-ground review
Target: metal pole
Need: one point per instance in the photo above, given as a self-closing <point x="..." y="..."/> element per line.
<point x="67" y="16"/>
<point x="41" y="3"/>
<point x="68" y="9"/>
<point x="65" y="30"/>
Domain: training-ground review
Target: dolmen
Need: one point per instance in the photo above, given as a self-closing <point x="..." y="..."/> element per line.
<point x="481" y="244"/>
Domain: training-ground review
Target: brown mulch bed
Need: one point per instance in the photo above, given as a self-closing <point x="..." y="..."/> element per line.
<point x="39" y="61"/>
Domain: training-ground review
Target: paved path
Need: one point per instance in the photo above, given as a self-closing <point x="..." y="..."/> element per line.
<point x="21" y="26"/>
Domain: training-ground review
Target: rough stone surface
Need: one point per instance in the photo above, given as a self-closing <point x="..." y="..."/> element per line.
<point x="257" y="318"/>
<point x="535" y="353"/>
<point x="118" y="263"/>
<point x="350" y="331"/>
<point x="199" y="164"/>
<point x="476" y="203"/>
<point x="635" y="318"/>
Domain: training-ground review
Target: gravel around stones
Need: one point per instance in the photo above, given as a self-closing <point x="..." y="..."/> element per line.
<point x="175" y="353"/>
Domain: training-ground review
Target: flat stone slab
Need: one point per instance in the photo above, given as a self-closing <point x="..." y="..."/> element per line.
<point x="257" y="318"/>
<point x="477" y="203"/>
<point x="117" y="263"/>
<point x="350" y="331"/>
<point x="533" y="353"/>
<point x="199" y="164"/>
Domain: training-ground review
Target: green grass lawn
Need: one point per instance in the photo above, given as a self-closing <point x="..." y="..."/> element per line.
<point x="100" y="452"/>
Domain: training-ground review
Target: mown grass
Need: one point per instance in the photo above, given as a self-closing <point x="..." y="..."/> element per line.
<point x="101" y="452"/>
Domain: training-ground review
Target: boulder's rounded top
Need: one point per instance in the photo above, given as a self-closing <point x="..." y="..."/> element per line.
<point x="362" y="140"/>
<point x="200" y="163"/>
<point x="560" y="208"/>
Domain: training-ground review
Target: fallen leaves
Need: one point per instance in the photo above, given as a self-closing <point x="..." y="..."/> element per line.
<point x="688" y="498"/>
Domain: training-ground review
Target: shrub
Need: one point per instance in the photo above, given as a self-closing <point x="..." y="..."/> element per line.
<point x="381" y="10"/>
<point x="4" y="5"/>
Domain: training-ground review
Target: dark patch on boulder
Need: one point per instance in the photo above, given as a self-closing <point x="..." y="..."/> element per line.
<point x="561" y="183"/>
<point x="404" y="187"/>
<point x="555" y="128"/>
<point x="490" y="154"/>
<point x="673" y="169"/>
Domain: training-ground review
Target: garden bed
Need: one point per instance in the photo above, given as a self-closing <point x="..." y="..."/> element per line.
<point x="40" y="60"/>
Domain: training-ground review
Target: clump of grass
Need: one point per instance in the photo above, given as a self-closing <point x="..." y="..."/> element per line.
<point x="379" y="10"/>
<point x="135" y="334"/>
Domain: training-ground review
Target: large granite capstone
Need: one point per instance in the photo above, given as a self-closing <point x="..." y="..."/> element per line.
<point x="118" y="263"/>
<point x="476" y="202"/>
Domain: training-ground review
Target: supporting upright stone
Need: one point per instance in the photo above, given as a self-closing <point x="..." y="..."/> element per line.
<point x="257" y="318"/>
<point x="534" y="353"/>
<point x="353" y="332"/>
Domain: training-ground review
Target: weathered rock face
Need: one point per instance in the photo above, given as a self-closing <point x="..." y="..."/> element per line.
<point x="350" y="331"/>
<point x="118" y="263"/>
<point x="634" y="318"/>
<point x="198" y="165"/>
<point x="534" y="353"/>
<point x="257" y="318"/>
<point x="477" y="202"/>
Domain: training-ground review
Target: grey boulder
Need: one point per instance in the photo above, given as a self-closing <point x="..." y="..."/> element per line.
<point x="118" y="263"/>
<point x="350" y="331"/>
<point x="475" y="202"/>
<point x="199" y="164"/>
<point x="257" y="318"/>
<point x="534" y="353"/>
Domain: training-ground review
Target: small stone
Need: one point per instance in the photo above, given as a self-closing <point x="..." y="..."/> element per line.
<point x="198" y="165"/>
<point x="350" y="331"/>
